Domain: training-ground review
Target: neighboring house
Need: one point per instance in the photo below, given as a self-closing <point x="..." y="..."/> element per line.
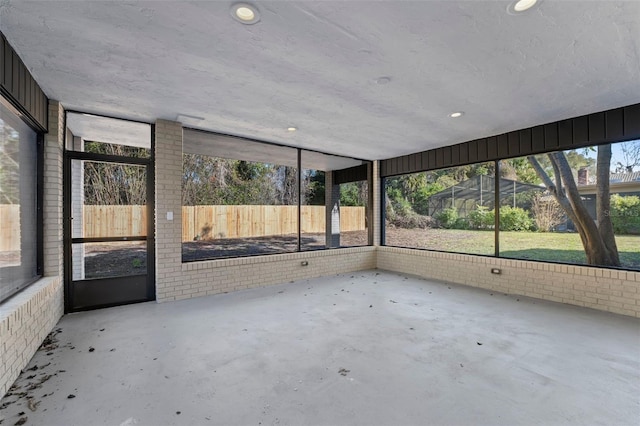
<point x="624" y="184"/>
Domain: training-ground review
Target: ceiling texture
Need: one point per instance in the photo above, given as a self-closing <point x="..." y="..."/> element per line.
<point x="366" y="79"/>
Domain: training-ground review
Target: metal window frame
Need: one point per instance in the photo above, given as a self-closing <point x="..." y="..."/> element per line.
<point x="24" y="115"/>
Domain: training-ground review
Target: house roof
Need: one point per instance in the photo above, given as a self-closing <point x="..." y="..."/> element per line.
<point x="624" y="177"/>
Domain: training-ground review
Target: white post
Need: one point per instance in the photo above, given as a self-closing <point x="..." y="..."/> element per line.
<point x="77" y="207"/>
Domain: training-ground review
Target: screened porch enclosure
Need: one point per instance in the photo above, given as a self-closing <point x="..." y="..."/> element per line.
<point x="477" y="191"/>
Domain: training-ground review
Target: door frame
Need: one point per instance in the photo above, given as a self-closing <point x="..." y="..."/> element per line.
<point x="117" y="283"/>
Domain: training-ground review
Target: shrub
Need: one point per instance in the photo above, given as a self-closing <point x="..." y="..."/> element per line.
<point x="461" y="223"/>
<point x="402" y="207"/>
<point x="447" y="218"/>
<point x="625" y="214"/>
<point x="547" y="213"/>
<point x="481" y="218"/>
<point x="412" y="221"/>
<point x="515" y="219"/>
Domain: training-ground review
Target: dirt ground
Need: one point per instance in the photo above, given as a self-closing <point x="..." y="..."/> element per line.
<point x="233" y="247"/>
<point x="9" y="258"/>
<point x="121" y="259"/>
<point x="115" y="260"/>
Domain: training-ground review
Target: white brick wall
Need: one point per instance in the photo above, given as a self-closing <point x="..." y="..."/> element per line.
<point x="27" y="318"/>
<point x="218" y="276"/>
<point x="53" y="191"/>
<point x="597" y="288"/>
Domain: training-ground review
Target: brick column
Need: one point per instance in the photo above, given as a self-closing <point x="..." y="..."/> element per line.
<point x="52" y="213"/>
<point x="168" y="193"/>
<point x="332" y="203"/>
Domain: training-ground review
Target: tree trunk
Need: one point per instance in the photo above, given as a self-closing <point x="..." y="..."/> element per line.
<point x="603" y="204"/>
<point x="566" y="193"/>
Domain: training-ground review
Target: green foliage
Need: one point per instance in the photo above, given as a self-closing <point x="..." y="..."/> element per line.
<point x="397" y="204"/>
<point x="519" y="169"/>
<point x="422" y="195"/>
<point x="578" y="159"/>
<point x="461" y="223"/>
<point x="353" y="193"/>
<point x="448" y="218"/>
<point x="625" y="214"/>
<point x="210" y="180"/>
<point x="314" y="182"/>
<point x="410" y="193"/>
<point x="481" y="218"/>
<point x="515" y="219"/>
<point x="447" y="181"/>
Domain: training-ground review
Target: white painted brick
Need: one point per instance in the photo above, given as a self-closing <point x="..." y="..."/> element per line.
<point x="25" y="320"/>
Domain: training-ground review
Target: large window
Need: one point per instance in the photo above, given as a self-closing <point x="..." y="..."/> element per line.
<point x="236" y="206"/>
<point x="18" y="204"/>
<point x="313" y="200"/>
<point x="244" y="198"/>
<point x="579" y="206"/>
<point x="354" y="205"/>
<point x="448" y="209"/>
<point x="591" y="214"/>
<point x="333" y="214"/>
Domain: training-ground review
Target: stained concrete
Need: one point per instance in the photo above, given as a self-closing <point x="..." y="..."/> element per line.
<point x="364" y="348"/>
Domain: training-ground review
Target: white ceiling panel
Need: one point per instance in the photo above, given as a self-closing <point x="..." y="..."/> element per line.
<point x="365" y="79"/>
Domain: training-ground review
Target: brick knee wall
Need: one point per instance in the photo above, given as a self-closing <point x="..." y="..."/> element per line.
<point x="597" y="288"/>
<point x="25" y="320"/>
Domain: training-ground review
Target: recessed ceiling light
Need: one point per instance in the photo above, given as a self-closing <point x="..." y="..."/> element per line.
<point x="383" y="80"/>
<point x="521" y="6"/>
<point x="245" y="13"/>
<point x="456" y="114"/>
<point x="291" y="129"/>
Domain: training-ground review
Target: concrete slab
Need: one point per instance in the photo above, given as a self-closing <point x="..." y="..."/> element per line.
<point x="364" y="348"/>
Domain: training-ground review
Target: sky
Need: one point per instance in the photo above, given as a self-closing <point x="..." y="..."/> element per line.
<point x="617" y="156"/>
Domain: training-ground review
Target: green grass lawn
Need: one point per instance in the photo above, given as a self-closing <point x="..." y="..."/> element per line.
<point x="563" y="247"/>
<point x="548" y="246"/>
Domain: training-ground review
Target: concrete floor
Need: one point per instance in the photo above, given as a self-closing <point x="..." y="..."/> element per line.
<point x="371" y="348"/>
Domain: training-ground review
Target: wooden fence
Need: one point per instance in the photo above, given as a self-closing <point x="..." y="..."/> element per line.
<point x="115" y="221"/>
<point x="198" y="222"/>
<point x="213" y="222"/>
<point x="9" y="227"/>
